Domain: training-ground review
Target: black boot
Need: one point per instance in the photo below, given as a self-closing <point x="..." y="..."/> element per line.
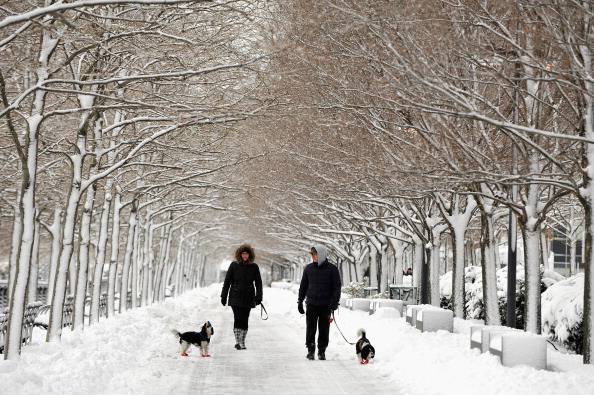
<point x="322" y="355"/>
<point x="310" y="353"/>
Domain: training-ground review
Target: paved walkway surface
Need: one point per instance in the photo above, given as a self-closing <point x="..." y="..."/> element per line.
<point x="275" y="363"/>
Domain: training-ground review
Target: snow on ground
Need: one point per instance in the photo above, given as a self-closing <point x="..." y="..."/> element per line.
<point x="134" y="353"/>
<point x="126" y="354"/>
<point x="443" y="363"/>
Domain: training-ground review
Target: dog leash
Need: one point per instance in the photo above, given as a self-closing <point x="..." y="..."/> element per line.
<point x="339" y="331"/>
<point x="262" y="312"/>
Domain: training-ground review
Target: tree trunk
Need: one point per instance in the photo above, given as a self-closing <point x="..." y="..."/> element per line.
<point x="532" y="276"/>
<point x="113" y="260"/>
<point x="159" y="272"/>
<point x="398" y="262"/>
<point x="434" y="264"/>
<point x="34" y="274"/>
<point x="128" y="256"/>
<point x="26" y="203"/>
<point x="489" y="275"/>
<point x="572" y="255"/>
<point x="587" y="194"/>
<point x="418" y="262"/>
<point x="82" y="269"/>
<point x="15" y="246"/>
<point x="55" y="231"/>
<point x="458" y="272"/>
<point x="101" y="253"/>
<point x="54" y="331"/>
<point x="147" y="256"/>
<point x="135" y="251"/>
<point x="373" y="265"/>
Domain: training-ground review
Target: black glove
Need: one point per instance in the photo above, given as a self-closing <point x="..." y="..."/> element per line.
<point x="223" y="300"/>
<point x="258" y="301"/>
<point x="300" y="308"/>
<point x="334" y="306"/>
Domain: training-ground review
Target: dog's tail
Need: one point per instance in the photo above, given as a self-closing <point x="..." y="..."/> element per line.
<point x="361" y="333"/>
<point x="175" y="332"/>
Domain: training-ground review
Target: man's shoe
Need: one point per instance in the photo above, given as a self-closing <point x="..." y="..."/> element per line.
<point x="321" y="355"/>
<point x="237" y="347"/>
<point x="310" y="355"/>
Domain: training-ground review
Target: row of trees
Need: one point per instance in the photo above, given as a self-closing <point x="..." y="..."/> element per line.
<point x="119" y="126"/>
<point x="402" y="128"/>
<point x="435" y="120"/>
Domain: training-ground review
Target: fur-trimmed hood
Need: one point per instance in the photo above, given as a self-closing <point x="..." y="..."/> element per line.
<point x="245" y="248"/>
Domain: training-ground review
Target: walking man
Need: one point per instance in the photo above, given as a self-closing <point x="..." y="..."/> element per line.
<point x="320" y="287"/>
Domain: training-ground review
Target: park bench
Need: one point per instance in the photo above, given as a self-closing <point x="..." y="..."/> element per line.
<point x="390" y="303"/>
<point x="433" y="320"/>
<point x="407" y="293"/>
<point x="519" y="348"/>
<point x="480" y="335"/>
<point x="360" y="304"/>
<point x="412" y="311"/>
<point x="30" y="314"/>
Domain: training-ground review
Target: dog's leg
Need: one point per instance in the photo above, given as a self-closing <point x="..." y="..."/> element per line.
<point x="184" y="347"/>
<point x="204" y="349"/>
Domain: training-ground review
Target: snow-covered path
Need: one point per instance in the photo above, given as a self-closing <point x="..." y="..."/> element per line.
<point x="135" y="353"/>
<point x="275" y="363"/>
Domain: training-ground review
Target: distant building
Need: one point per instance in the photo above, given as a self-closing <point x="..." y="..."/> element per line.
<point x="561" y="248"/>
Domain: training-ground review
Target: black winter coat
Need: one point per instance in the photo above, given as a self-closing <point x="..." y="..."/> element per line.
<point x="321" y="285"/>
<point x="243" y="284"/>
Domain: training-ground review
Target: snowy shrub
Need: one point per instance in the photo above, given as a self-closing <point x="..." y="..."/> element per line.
<point x="474" y="305"/>
<point x="354" y="289"/>
<point x="562" y="312"/>
<point x="381" y="295"/>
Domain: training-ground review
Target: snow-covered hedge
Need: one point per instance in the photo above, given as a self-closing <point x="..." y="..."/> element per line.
<point x="354" y="289"/>
<point x="381" y="295"/>
<point x="474" y="306"/>
<point x="562" y="312"/>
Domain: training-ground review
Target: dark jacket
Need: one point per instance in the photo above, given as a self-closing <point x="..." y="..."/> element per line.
<point x="243" y="284"/>
<point x="321" y="285"/>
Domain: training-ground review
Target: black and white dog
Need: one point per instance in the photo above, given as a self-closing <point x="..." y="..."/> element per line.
<point x="365" y="351"/>
<point x="199" y="339"/>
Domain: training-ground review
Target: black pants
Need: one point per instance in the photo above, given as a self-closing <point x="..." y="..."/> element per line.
<point x="317" y="316"/>
<point x="241" y="316"/>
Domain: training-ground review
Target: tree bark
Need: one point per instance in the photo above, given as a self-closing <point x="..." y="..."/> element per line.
<point x="113" y="259"/>
<point x="82" y="270"/>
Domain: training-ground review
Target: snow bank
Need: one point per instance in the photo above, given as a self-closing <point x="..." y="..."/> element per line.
<point x="133" y="353"/>
<point x="127" y="354"/>
<point x="442" y="363"/>
<point x="437" y="363"/>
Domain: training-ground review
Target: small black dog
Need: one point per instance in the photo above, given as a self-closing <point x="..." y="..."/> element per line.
<point x="199" y="339"/>
<point x="365" y="351"/>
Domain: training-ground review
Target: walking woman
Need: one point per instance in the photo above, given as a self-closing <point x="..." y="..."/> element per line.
<point x="243" y="284"/>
